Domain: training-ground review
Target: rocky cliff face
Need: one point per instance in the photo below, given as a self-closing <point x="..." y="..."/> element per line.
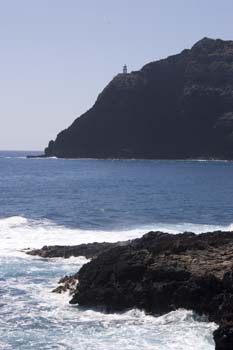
<point x="179" y="107"/>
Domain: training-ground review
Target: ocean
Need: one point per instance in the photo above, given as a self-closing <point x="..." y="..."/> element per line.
<point x="57" y="201"/>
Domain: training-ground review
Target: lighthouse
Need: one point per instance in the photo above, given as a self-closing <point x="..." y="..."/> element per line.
<point x="125" y="69"/>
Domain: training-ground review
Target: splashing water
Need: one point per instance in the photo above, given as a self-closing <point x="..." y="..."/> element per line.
<point x="56" y="201"/>
<point x="33" y="317"/>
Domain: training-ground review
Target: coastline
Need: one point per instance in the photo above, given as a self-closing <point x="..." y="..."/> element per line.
<point x="198" y="159"/>
<point x="158" y="273"/>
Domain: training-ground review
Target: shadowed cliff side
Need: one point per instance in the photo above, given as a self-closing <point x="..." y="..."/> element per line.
<point x="178" y="107"/>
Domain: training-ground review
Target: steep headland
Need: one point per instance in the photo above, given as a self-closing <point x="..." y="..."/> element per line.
<point x="178" y="107"/>
<point x="159" y="273"/>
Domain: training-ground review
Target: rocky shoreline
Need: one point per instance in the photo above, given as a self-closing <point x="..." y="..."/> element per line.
<point x="158" y="273"/>
<point x="89" y="250"/>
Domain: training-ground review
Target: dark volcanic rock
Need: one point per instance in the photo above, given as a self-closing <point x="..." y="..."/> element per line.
<point x="90" y="250"/>
<point x="67" y="283"/>
<point x="223" y="337"/>
<point x="178" y="107"/>
<point x="161" y="272"/>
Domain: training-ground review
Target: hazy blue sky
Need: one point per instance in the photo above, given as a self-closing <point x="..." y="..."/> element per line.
<point x="57" y="55"/>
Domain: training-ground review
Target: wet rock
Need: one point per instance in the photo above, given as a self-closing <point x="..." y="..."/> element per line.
<point x="161" y="272"/>
<point x="66" y="284"/>
<point x="90" y="250"/>
<point x="223" y="337"/>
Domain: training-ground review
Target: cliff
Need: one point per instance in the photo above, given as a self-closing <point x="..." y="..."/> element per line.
<point x="178" y="107"/>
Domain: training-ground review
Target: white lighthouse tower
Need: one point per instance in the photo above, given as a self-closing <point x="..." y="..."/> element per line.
<point x="125" y="69"/>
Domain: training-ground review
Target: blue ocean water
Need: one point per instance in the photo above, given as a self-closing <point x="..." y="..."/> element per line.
<point x="113" y="194"/>
<point x="57" y="201"/>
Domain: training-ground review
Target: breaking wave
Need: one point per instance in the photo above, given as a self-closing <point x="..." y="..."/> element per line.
<point x="40" y="319"/>
<point x="18" y="232"/>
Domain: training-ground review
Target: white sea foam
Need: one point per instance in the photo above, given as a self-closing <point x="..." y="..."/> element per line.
<point x="36" y="318"/>
<point x="17" y="233"/>
<point x="40" y="319"/>
<point x="14" y="157"/>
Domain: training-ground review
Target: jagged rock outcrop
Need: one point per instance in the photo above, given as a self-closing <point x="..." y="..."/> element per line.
<point x="178" y="107"/>
<point x="89" y="250"/>
<point x="161" y="272"/>
<point x="67" y="284"/>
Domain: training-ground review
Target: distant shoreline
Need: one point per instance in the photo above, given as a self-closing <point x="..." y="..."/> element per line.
<point x="108" y="158"/>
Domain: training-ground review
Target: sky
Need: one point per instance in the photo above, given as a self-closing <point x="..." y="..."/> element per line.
<point x="56" y="56"/>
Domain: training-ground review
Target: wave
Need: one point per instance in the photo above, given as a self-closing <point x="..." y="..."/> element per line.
<point x="13" y="157"/>
<point x="120" y="159"/>
<point x="26" y="157"/>
<point x="47" y="319"/>
<point x="42" y="158"/>
<point x="18" y="232"/>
